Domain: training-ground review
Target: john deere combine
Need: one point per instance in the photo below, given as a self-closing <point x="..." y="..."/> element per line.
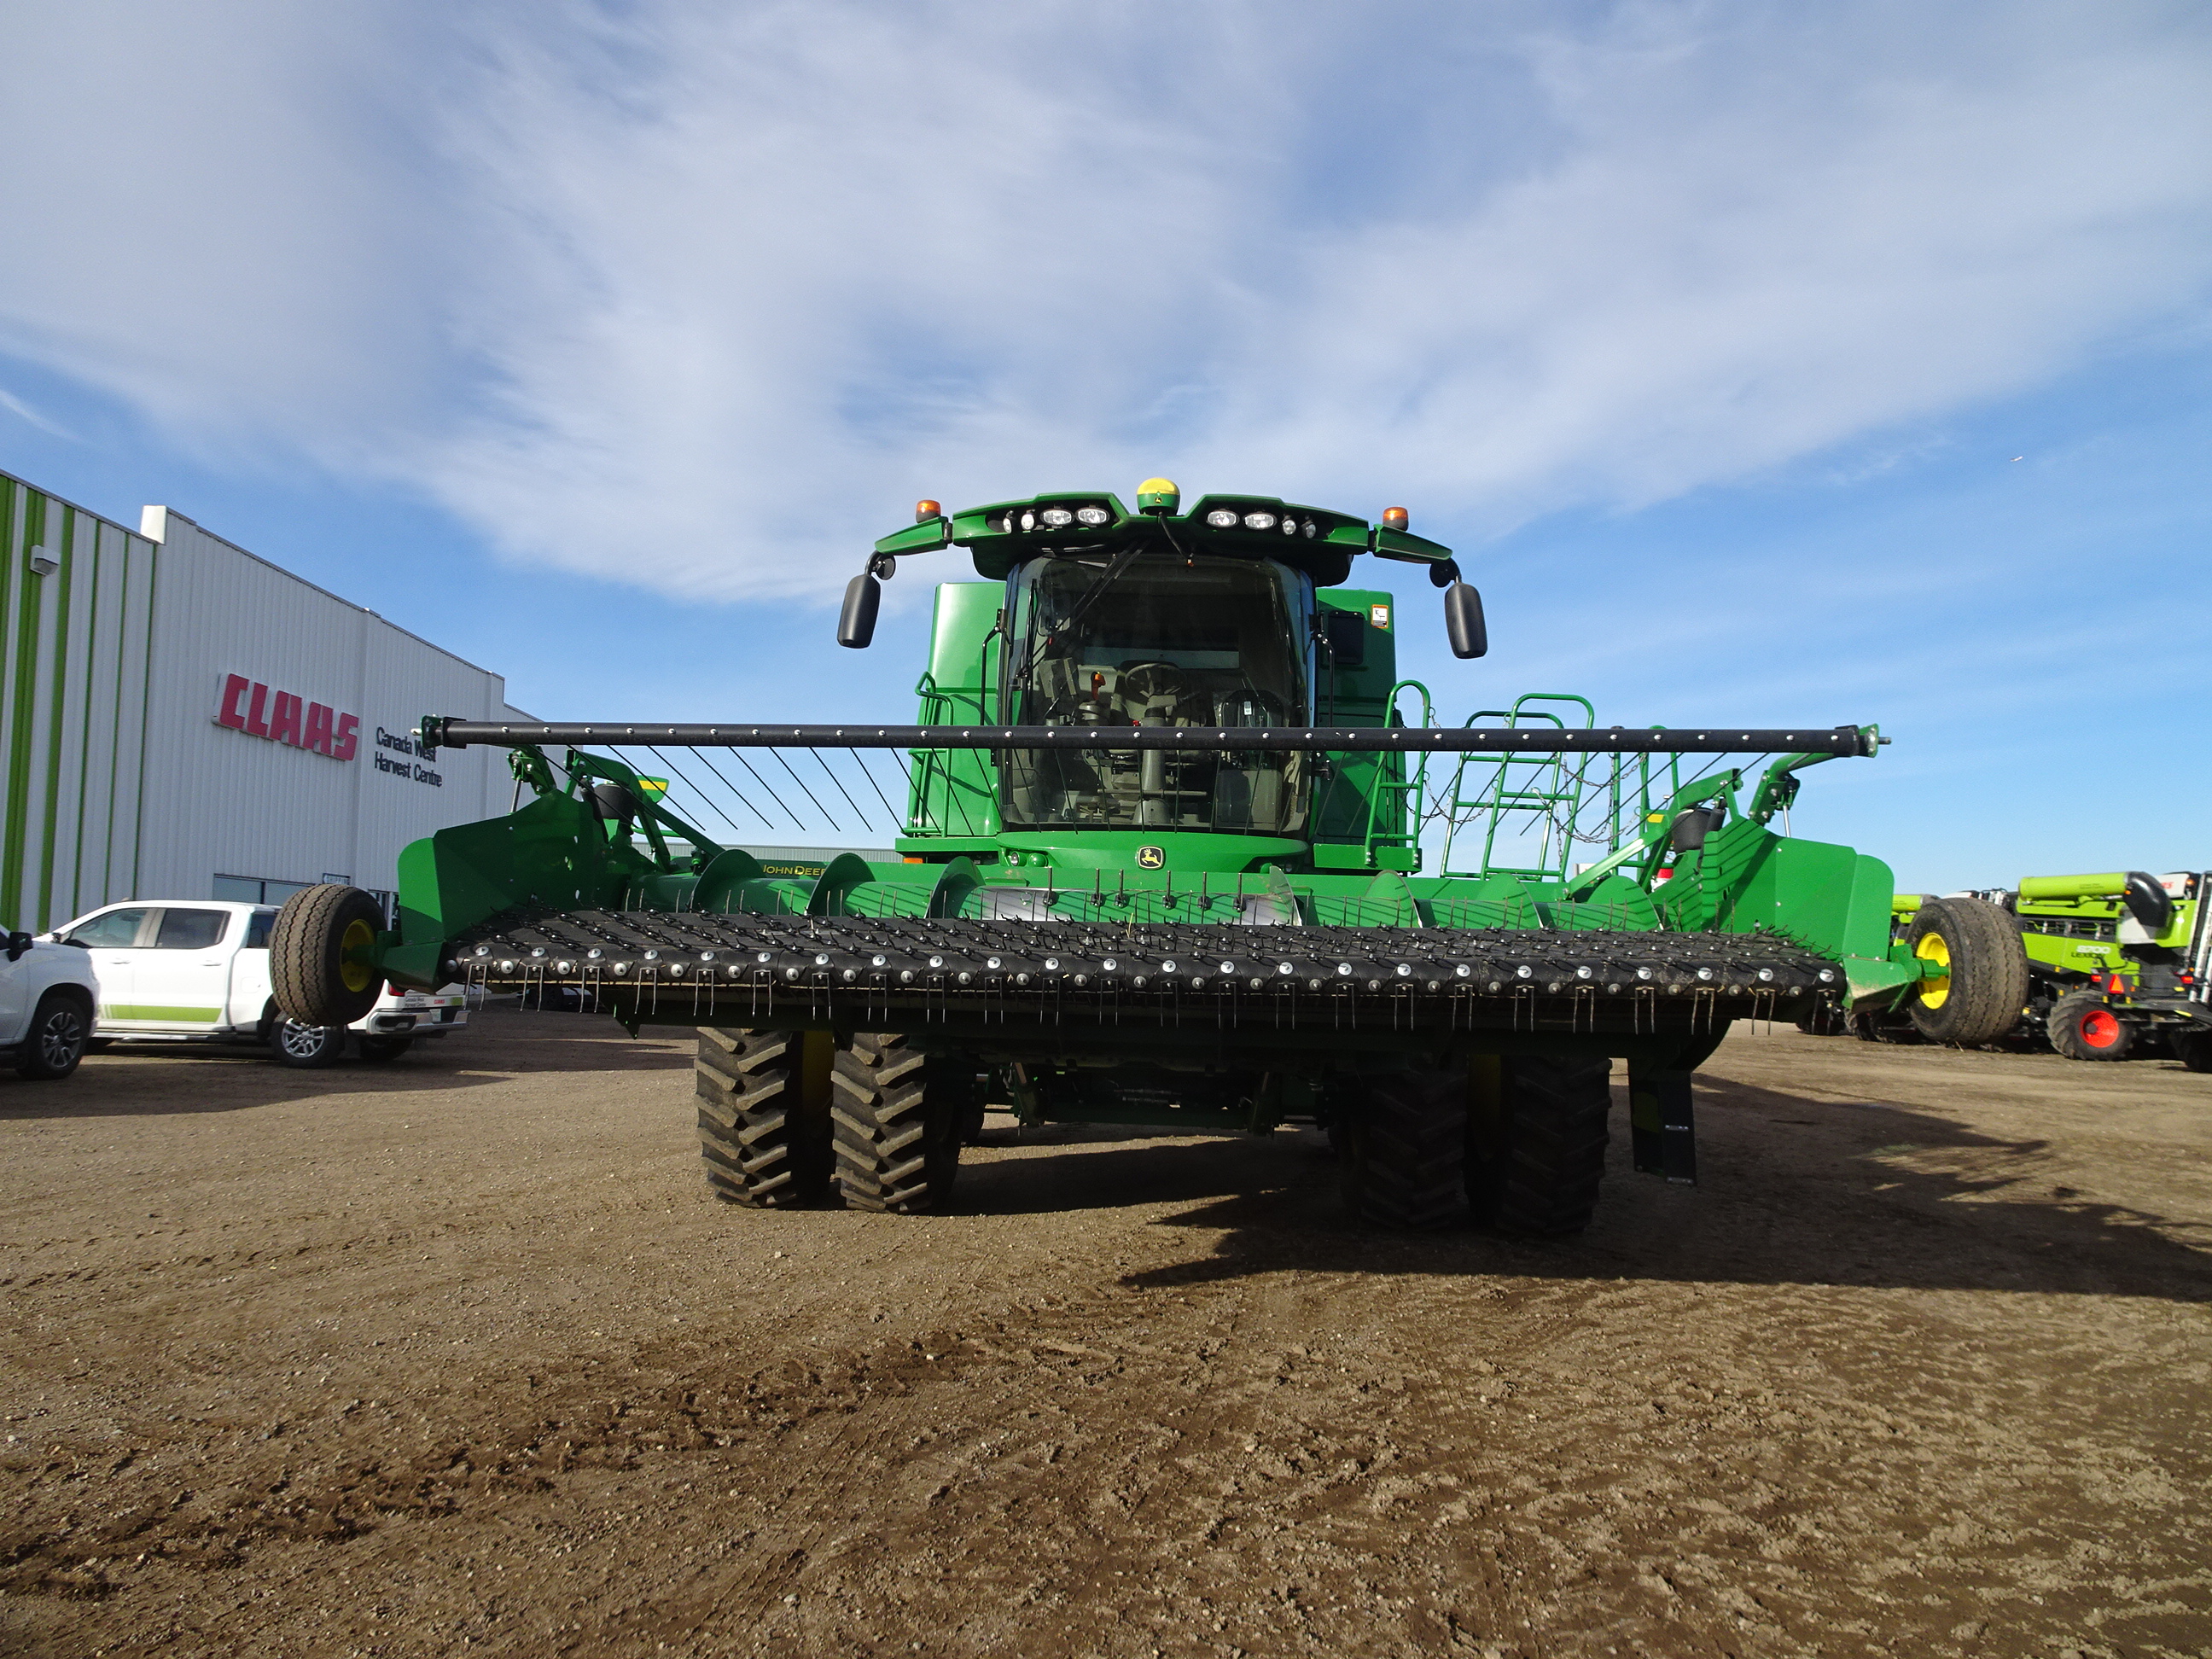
<point x="1165" y="815"/>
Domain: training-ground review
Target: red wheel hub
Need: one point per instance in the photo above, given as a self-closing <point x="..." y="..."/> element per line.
<point x="2098" y="1029"/>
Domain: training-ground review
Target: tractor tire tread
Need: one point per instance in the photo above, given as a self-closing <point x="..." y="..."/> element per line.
<point x="1544" y="1178"/>
<point x="1407" y="1143"/>
<point x="753" y="1125"/>
<point x="302" y="954"/>
<point x="895" y="1116"/>
<point x="2063" y="1027"/>
<point x="1989" y="982"/>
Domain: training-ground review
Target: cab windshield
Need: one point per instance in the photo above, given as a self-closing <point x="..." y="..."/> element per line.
<point x="1210" y="641"/>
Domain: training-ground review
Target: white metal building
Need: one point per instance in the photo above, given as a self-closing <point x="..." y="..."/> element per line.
<point x="180" y="719"/>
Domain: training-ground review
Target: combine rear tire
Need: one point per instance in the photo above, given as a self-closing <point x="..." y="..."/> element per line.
<point x="1982" y="999"/>
<point x="2083" y="1027"/>
<point x="1536" y="1153"/>
<point x="322" y="954"/>
<point x="1402" y="1146"/>
<point x="2193" y="1049"/>
<point x="896" y="1117"/>
<point x="764" y="1115"/>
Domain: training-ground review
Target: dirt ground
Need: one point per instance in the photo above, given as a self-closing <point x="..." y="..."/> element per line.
<point x="459" y="1354"/>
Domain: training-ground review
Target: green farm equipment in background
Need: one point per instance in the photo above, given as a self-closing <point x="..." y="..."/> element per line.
<point x="2101" y="963"/>
<point x="1159" y="859"/>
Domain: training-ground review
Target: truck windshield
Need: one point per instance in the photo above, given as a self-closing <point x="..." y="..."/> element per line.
<point x="1210" y="641"/>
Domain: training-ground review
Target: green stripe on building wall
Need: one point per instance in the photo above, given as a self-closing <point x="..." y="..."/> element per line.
<point x="12" y="836"/>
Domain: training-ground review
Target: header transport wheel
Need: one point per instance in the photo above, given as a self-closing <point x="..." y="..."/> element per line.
<point x="322" y="954"/>
<point x="2082" y="1026"/>
<point x="1979" y="996"/>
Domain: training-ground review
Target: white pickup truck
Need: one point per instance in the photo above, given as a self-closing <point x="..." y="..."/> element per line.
<point x="196" y="970"/>
<point x="47" y="995"/>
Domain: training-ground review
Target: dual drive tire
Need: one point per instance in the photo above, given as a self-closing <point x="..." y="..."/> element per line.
<point x="1518" y="1142"/>
<point x="791" y="1118"/>
<point x="1983" y="992"/>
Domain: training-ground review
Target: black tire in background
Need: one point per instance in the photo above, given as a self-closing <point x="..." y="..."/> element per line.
<point x="2193" y="1049"/>
<point x="378" y="1049"/>
<point x="1987" y="989"/>
<point x="895" y="1115"/>
<point x="1536" y="1142"/>
<point x="61" y="1027"/>
<point x="1822" y="1018"/>
<point x="1404" y="1145"/>
<point x="322" y="949"/>
<point x="764" y="1116"/>
<point x="309" y="1048"/>
<point x="2082" y="1026"/>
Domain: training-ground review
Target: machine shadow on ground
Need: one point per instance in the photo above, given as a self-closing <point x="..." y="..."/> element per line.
<point x="1797" y="1191"/>
<point x="166" y="1080"/>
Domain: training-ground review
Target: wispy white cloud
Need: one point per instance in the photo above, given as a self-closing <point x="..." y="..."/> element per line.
<point x="24" y="412"/>
<point x="694" y="295"/>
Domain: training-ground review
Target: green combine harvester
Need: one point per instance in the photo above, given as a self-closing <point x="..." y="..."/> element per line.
<point x="2099" y="963"/>
<point x="1160" y="862"/>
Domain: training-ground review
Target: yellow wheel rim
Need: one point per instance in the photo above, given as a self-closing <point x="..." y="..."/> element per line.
<point x="357" y="956"/>
<point x="1934" y="993"/>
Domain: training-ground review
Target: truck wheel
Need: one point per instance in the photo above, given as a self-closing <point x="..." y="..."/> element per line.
<point x="1537" y="1156"/>
<point x="377" y="1050"/>
<point x="1403" y="1147"/>
<point x="895" y="1117"/>
<point x="322" y="954"/>
<point x="2082" y="1026"/>
<point x="311" y="1048"/>
<point x="2193" y="1049"/>
<point x="764" y="1116"/>
<point x="61" y="1025"/>
<point x="1982" y="999"/>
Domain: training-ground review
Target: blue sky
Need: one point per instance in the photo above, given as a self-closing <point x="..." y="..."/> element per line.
<point x="1766" y="363"/>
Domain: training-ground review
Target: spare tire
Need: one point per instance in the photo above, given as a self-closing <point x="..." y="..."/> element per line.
<point x="1982" y="997"/>
<point x="322" y="954"/>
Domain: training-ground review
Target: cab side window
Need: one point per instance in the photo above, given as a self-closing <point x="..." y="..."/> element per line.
<point x="112" y="930"/>
<point x="191" y="930"/>
<point x="257" y="930"/>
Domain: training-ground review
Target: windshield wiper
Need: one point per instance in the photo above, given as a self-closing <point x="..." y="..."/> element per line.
<point x="1115" y="567"/>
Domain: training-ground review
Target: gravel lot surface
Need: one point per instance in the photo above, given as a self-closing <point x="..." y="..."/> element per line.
<point x="457" y="1354"/>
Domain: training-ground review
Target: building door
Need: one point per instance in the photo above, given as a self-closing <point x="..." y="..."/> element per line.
<point x="184" y="982"/>
<point x="110" y="938"/>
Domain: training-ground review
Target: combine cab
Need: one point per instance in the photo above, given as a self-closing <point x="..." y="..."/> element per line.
<point x="1160" y="861"/>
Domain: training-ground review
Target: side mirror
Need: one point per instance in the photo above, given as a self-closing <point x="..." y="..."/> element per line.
<point x="856" y="622"/>
<point x="18" y="943"/>
<point x="1470" y="637"/>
